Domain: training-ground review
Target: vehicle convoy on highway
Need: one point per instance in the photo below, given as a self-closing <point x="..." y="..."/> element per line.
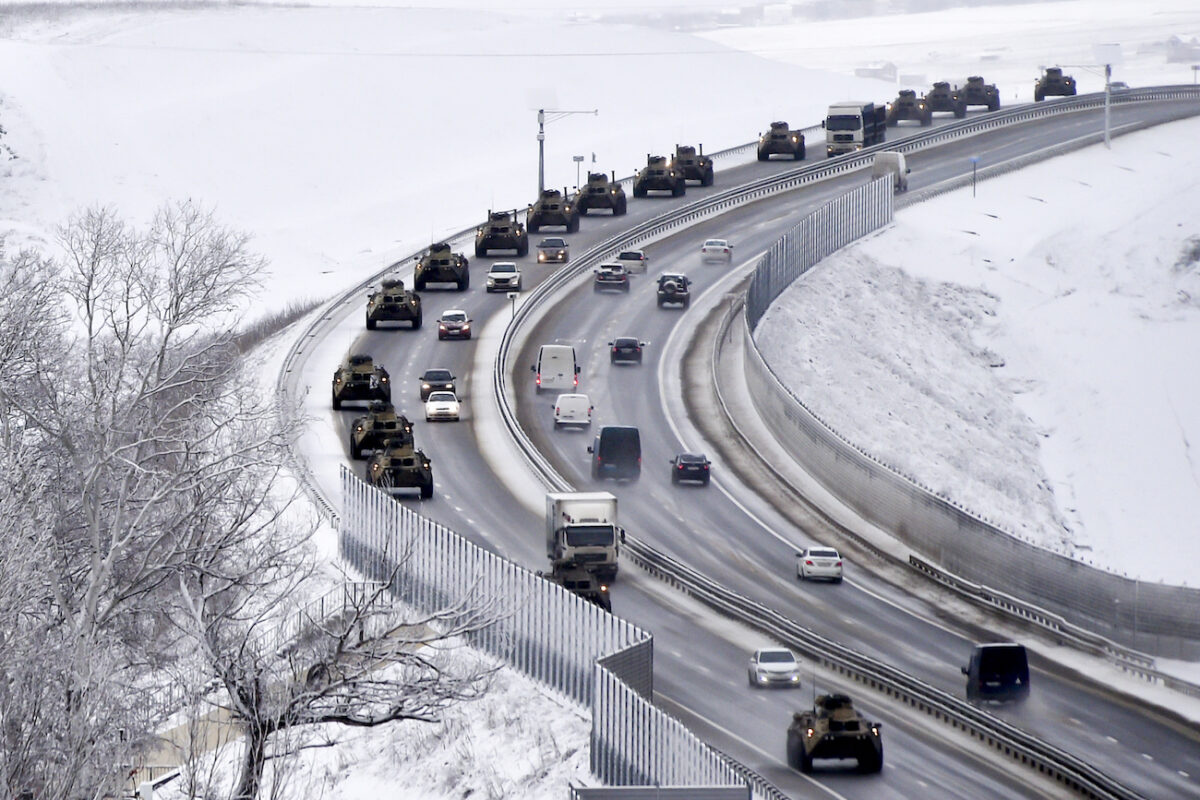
<point x="693" y="165"/>
<point x="601" y="193"/>
<point x="552" y="208"/>
<point x="399" y="465"/>
<point x="852" y="125"/>
<point x="380" y="424"/>
<point x="780" y="140"/>
<point x="942" y="97"/>
<point x="358" y="378"/>
<point x="1053" y="83"/>
<point x="582" y="531"/>
<point x="834" y="728"/>
<point x="439" y="264"/>
<point x="658" y="175"/>
<point x="907" y="106"/>
<point x="391" y="302"/>
<point x="502" y="231"/>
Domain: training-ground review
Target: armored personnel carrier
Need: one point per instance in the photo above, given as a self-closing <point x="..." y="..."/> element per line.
<point x="942" y="98"/>
<point x="977" y="93"/>
<point x="399" y="465"/>
<point x="600" y="192"/>
<point x="674" y="289"/>
<point x="781" y="140"/>
<point x="1053" y="83"/>
<point x="658" y="175"/>
<point x="391" y="302"/>
<point x="359" y="379"/>
<point x="908" y="106"/>
<point x="693" y="165"/>
<point x="833" y="729"/>
<point x="502" y="231"/>
<point x="440" y="265"/>
<point x="552" y="208"/>
<point x="582" y="582"/>
<point x="380" y="424"/>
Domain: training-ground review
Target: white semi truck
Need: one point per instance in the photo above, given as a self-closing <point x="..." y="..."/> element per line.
<point x="852" y="125"/>
<point x="582" y="531"/>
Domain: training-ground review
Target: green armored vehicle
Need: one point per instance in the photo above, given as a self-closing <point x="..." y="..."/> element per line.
<point x="975" y="92"/>
<point x="582" y="582"/>
<point x="391" y="302"/>
<point x="942" y="98"/>
<point x="440" y="265"/>
<point x="399" y="465"/>
<point x="380" y="424"/>
<point x="1053" y="82"/>
<point x="553" y="208"/>
<point x="908" y="106"/>
<point x="694" y="166"/>
<point x="600" y="192"/>
<point x="833" y="729"/>
<point x="359" y="379"/>
<point x="781" y="140"/>
<point x="502" y="231"/>
<point x="658" y="175"/>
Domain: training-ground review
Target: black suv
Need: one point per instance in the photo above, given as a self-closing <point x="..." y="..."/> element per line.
<point x="690" y="467"/>
<point x="674" y="289"/>
<point x="437" y="380"/>
<point x="625" y="348"/>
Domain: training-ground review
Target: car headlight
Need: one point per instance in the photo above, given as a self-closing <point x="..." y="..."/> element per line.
<point x="424" y="385"/>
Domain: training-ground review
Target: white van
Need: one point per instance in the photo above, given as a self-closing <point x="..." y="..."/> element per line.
<point x="556" y="368"/>
<point x="891" y="163"/>
<point x="572" y="409"/>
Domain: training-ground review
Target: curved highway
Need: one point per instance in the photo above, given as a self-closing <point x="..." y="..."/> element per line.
<point x="744" y="536"/>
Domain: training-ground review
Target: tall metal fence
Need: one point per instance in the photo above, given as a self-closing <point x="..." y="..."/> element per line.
<point x="1155" y="617"/>
<point x="544" y="631"/>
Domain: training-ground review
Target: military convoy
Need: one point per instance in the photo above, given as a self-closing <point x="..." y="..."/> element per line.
<point x="502" y="231"/>
<point x="441" y="265"/>
<point x="975" y="92"/>
<point x="674" y="289"/>
<point x="379" y="426"/>
<point x="833" y="729"/>
<point x="1053" y="83"/>
<point x="552" y="208"/>
<point x="658" y="175"/>
<point x="908" y="106"/>
<point x="780" y="140"/>
<point x="600" y="192"/>
<point x="943" y="98"/>
<point x="693" y="165"/>
<point x="391" y="302"/>
<point x="400" y="465"/>
<point x="359" y="379"/>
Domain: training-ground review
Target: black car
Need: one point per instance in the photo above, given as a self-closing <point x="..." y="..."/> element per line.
<point x="437" y="380"/>
<point x="625" y="348"/>
<point x="690" y="467"/>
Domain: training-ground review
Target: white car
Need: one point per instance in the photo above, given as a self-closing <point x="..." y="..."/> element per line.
<point x="504" y="277"/>
<point x="819" y="562"/>
<point x="441" y="406"/>
<point x="774" y="666"/>
<point x="633" y="260"/>
<point x="716" y="250"/>
<point x="572" y="409"/>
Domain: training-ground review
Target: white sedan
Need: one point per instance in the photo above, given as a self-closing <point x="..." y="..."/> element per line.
<point x="819" y="562"/>
<point x="774" y="666"/>
<point x="441" y="406"/>
<point x="716" y="250"/>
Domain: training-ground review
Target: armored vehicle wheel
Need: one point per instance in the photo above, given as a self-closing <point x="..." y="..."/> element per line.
<point x="337" y="403"/>
<point x="793" y="743"/>
<point x="355" y="450"/>
<point x="465" y="283"/>
<point x="1038" y="96"/>
<point x="620" y="209"/>
<point x="639" y="191"/>
<point x="416" y="323"/>
<point x="805" y="764"/>
<point x="763" y="156"/>
<point x="927" y="119"/>
<point x="419" y="284"/>
<point x="870" y="761"/>
<point x="994" y="105"/>
<point x="891" y="123"/>
<point x="707" y="180"/>
<point x="573" y="225"/>
<point x="533" y="224"/>
<point x="803" y="152"/>
<point x="370" y="323"/>
<point x="678" y="190"/>
<point x="427" y="491"/>
<point x="523" y="248"/>
<point x="960" y="111"/>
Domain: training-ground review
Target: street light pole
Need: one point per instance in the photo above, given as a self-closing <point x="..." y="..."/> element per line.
<point x="1107" y="104"/>
<point x="578" y="160"/>
<point x="541" y="139"/>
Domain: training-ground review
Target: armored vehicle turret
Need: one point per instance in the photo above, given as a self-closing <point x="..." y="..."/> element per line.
<point x="359" y="379"/>
<point x="658" y="175"/>
<point x="502" y="231"/>
<point x="391" y="302"/>
<point x="693" y="165"/>
<point x="908" y="106"/>
<point x="600" y="192"/>
<point x="975" y="92"/>
<point x="781" y="140"/>
<point x="1053" y="82"/>
<point x="833" y="729"/>
<point x="552" y="208"/>
<point x="401" y="466"/>
<point x="380" y="424"/>
<point x="440" y="265"/>
<point x="943" y="98"/>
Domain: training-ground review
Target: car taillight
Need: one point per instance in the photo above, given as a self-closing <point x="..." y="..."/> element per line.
<point x="538" y="380"/>
<point x="576" y="380"/>
<point x="614" y="349"/>
<point x="808" y="562"/>
<point x="706" y="466"/>
<point x="838" y="564"/>
<point x="681" y="466"/>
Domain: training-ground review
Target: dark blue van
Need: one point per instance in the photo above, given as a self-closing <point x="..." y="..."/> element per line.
<point x="617" y="453"/>
<point x="998" y="672"/>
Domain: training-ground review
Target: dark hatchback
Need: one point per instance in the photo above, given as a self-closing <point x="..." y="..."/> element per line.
<point x="625" y="348"/>
<point x="436" y="380"/>
<point x="690" y="467"/>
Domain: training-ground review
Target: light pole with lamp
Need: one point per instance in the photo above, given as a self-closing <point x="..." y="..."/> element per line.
<point x="541" y="138"/>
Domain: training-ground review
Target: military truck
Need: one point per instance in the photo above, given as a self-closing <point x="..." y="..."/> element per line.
<point x="441" y="265"/>
<point x="580" y="581"/>
<point x="1053" y="83"/>
<point x="400" y="466"/>
<point x="391" y="302"/>
<point x="977" y="93"/>
<point x="379" y="425"/>
<point x="658" y="175"/>
<point x="502" y="231"/>
<point x="552" y="208"/>
<point x="693" y="165"/>
<point x="600" y="192"/>
<point x="833" y="729"/>
<point x="908" y="106"/>
<point x="359" y="379"/>
<point x="674" y="289"/>
<point x="782" y="141"/>
<point x="943" y="98"/>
